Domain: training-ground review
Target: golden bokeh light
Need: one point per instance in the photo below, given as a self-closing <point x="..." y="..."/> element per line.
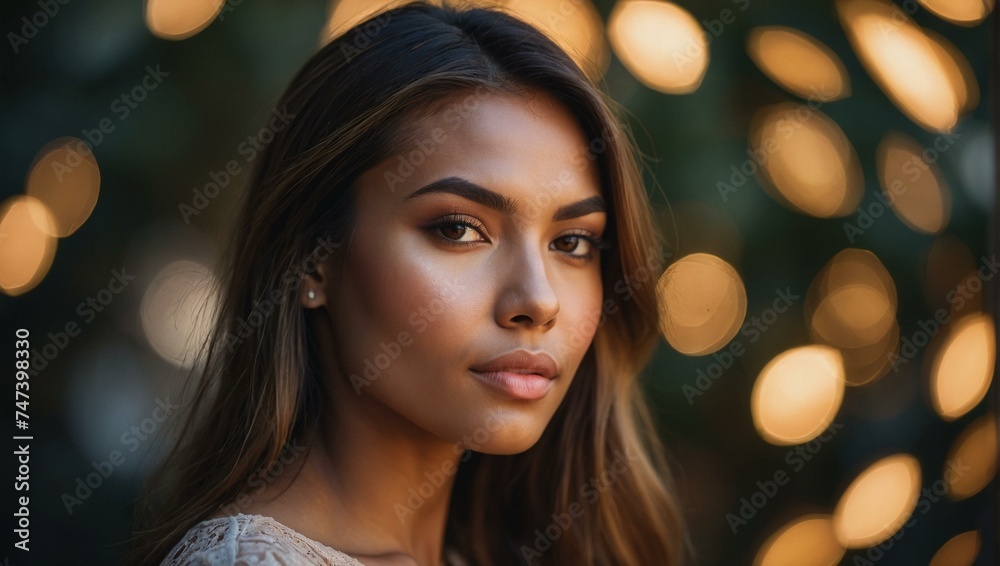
<point x="883" y="36"/>
<point x="799" y="62"/>
<point x="807" y="160"/>
<point x="877" y="502"/>
<point x="702" y="304"/>
<point x="959" y="71"/>
<point x="806" y="541"/>
<point x="851" y="304"/>
<point x="797" y="394"/>
<point x="27" y="245"/>
<point x="66" y="178"/>
<point x="660" y="43"/>
<point x="575" y="26"/>
<point x="915" y="189"/>
<point x="960" y="550"/>
<point x="854" y="266"/>
<point x="180" y="19"/>
<point x="961" y="12"/>
<point x="972" y="461"/>
<point x="177" y="310"/>
<point x="967" y="298"/>
<point x="864" y="364"/>
<point x="963" y="368"/>
<point x="853" y="316"/>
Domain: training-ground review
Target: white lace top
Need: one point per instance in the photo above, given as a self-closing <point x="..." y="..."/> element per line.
<point x="260" y="540"/>
<point x="251" y="539"/>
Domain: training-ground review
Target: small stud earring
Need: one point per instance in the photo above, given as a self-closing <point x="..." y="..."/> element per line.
<point x="311" y="294"/>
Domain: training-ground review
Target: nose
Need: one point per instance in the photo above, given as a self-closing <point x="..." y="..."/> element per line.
<point x="527" y="298"/>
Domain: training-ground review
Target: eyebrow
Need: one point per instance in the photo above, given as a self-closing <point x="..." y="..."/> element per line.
<point x="496" y="201"/>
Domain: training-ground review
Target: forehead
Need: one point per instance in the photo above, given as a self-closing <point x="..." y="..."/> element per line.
<point x="521" y="146"/>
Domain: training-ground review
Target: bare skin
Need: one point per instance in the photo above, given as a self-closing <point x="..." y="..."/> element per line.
<point x="522" y="282"/>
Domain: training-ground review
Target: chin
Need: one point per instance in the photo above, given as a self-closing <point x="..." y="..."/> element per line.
<point x="507" y="448"/>
<point x="506" y="436"/>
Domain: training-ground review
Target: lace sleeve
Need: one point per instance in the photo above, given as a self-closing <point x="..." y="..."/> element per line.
<point x="251" y="539"/>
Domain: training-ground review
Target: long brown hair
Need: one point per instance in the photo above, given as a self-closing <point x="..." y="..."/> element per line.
<point x="595" y="489"/>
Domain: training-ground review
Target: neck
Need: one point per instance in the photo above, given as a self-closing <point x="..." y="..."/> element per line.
<point x="389" y="483"/>
<point x="374" y="485"/>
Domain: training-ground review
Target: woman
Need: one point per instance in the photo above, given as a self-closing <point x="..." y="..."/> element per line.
<point x="428" y="342"/>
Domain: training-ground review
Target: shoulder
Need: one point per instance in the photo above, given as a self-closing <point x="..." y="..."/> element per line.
<point x="251" y="539"/>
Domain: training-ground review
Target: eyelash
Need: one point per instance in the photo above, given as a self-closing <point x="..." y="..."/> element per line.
<point x="460" y="219"/>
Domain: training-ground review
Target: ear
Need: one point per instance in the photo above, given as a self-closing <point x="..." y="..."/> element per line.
<point x="316" y="285"/>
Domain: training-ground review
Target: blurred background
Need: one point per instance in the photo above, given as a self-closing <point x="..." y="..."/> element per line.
<point x="824" y="171"/>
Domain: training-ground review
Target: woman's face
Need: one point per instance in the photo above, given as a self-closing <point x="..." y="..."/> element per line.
<point x="473" y="243"/>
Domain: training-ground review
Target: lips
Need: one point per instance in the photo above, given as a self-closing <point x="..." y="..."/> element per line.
<point x="519" y="375"/>
<point x="521" y="362"/>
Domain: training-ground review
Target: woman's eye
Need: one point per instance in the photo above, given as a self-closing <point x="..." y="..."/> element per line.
<point x="458" y="230"/>
<point x="464" y="231"/>
<point x="571" y="244"/>
<point x="580" y="247"/>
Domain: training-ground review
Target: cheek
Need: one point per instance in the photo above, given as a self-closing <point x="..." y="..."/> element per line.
<point x="402" y="292"/>
<point x="582" y="314"/>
